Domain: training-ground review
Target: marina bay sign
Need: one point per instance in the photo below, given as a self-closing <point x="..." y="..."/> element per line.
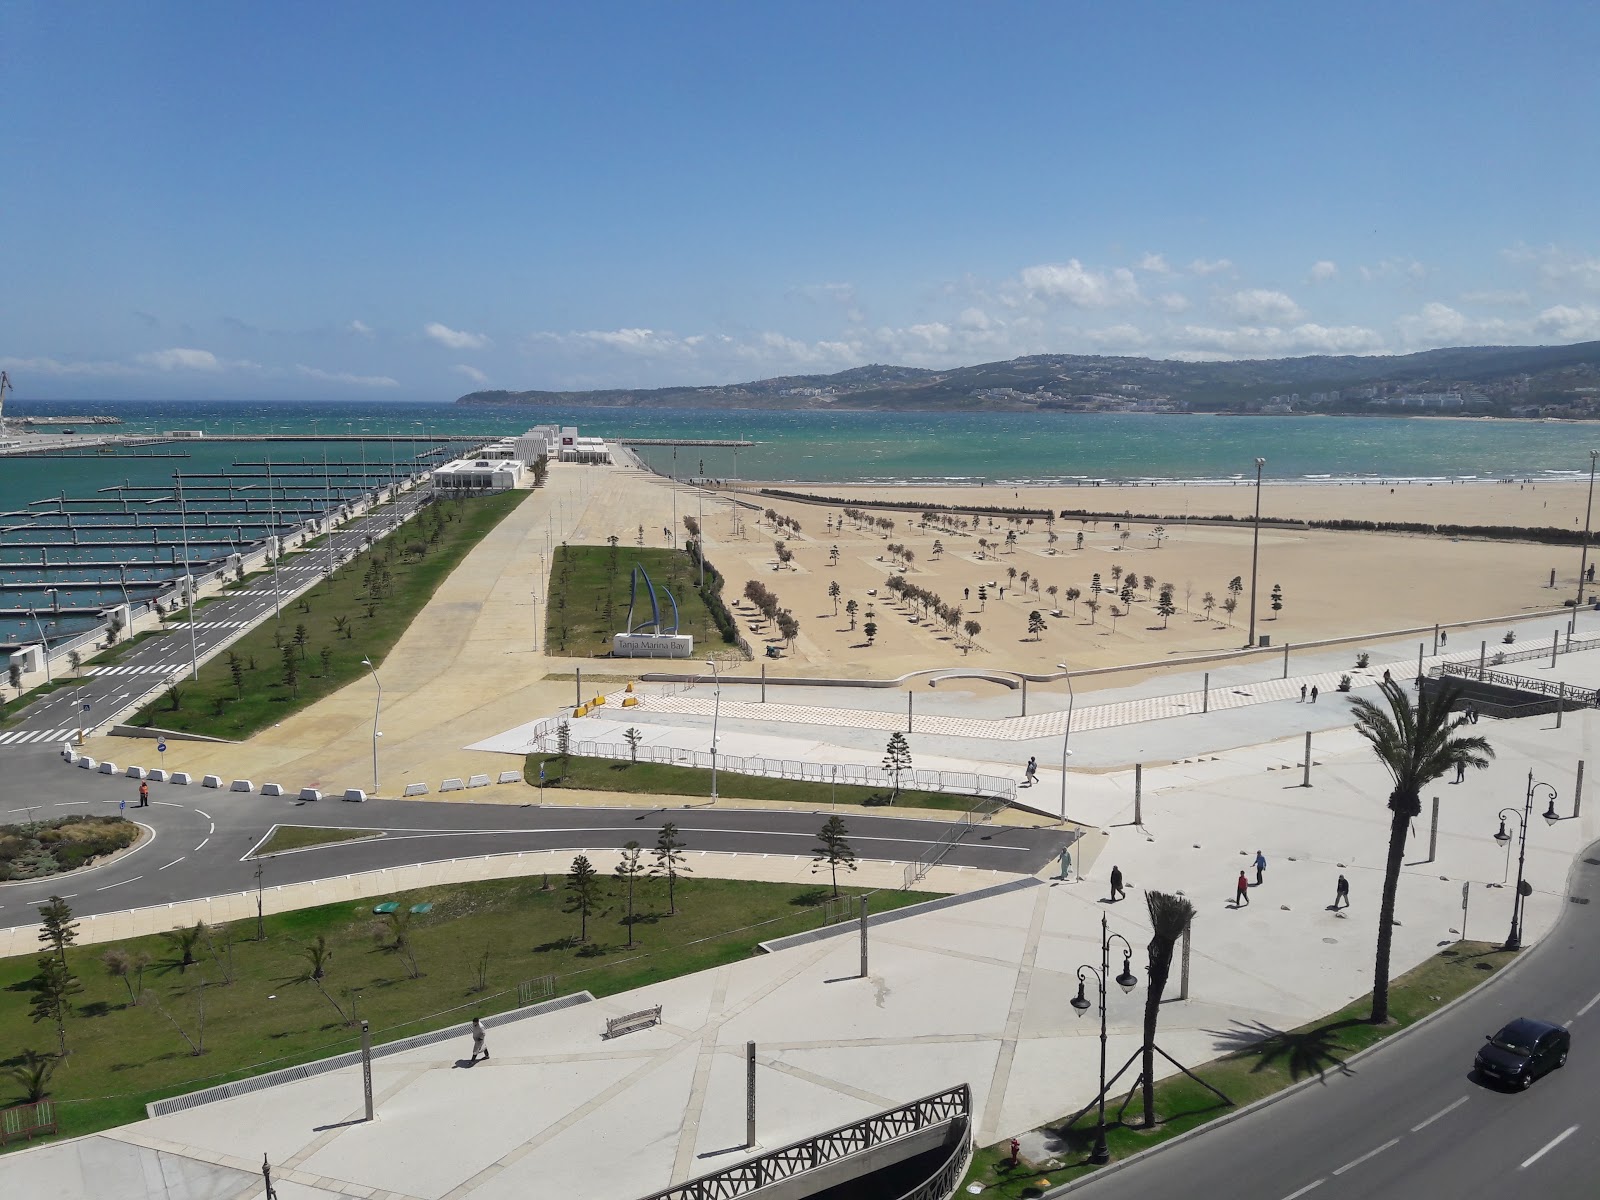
<point x="653" y="638"/>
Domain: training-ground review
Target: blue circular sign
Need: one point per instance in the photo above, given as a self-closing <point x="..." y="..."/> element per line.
<point x="161" y="747"/>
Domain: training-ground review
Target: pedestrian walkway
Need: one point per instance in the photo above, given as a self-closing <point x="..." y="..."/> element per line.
<point x="211" y="624"/>
<point x="22" y="737"/>
<point x="137" y="669"/>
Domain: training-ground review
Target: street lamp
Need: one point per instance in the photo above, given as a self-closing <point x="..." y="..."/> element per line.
<point x="1127" y="981"/>
<point x="1255" y="552"/>
<point x="716" y="714"/>
<point x="1514" y="940"/>
<point x="1588" y="510"/>
<point x="44" y="646"/>
<point x="1066" y="739"/>
<point x="376" y="710"/>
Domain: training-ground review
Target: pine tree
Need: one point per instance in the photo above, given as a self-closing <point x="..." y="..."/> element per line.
<point x="629" y="871"/>
<point x="897" y="759"/>
<point x="583" y="893"/>
<point x="57" y="929"/>
<point x="670" y="863"/>
<point x="53" y="987"/>
<point x="835" y="851"/>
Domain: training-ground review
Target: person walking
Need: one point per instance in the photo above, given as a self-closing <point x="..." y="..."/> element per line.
<point x="1341" y="896"/>
<point x="480" y="1042"/>
<point x="1261" y="868"/>
<point x="1472" y="711"/>
<point x="1030" y="774"/>
<point x="1313" y="693"/>
<point x="1116" y="885"/>
<point x="1302" y="693"/>
<point x="1241" y="895"/>
<point x="144" y="794"/>
<point x="1444" y="638"/>
<point x="1461" y="771"/>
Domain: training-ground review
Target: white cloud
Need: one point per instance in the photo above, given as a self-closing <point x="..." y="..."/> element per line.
<point x="1436" y="324"/>
<point x="1323" y="270"/>
<point x="1214" y="266"/>
<point x="975" y="319"/>
<point x="1119" y="338"/>
<point x="181" y="359"/>
<point x="1394" y="268"/>
<point x="1080" y="286"/>
<point x="456" y="339"/>
<point x="1271" y="341"/>
<point x="1567" y="323"/>
<point x="1559" y="267"/>
<point x="1156" y="264"/>
<point x="52" y="366"/>
<point x="345" y="377"/>
<point x="1261" y="305"/>
<point x="359" y="328"/>
<point x="472" y="373"/>
<point x="1173" y="302"/>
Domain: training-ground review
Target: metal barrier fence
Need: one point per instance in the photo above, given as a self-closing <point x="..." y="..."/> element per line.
<point x="1496" y="658"/>
<point x="25" y="1120"/>
<point x="1524" y="683"/>
<point x="741" y="1179"/>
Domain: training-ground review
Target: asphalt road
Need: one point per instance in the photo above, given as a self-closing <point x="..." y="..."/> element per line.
<point x="160" y="660"/>
<point x="1410" y="1120"/>
<point x="203" y="835"/>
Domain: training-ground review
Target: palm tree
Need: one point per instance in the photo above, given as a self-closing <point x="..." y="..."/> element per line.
<point x="33" y="1075"/>
<point x="1072" y="595"/>
<point x="1417" y="746"/>
<point x="1169" y="919"/>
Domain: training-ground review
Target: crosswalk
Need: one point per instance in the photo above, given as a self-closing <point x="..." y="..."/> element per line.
<point x="136" y="669"/>
<point x="19" y="737"/>
<point x="210" y="624"/>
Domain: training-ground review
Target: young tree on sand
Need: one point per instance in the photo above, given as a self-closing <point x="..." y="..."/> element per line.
<point x="1094" y="586"/>
<point x="1277" y="600"/>
<point x="1036" y="625"/>
<point x="583" y="893"/>
<point x="1208" y="602"/>
<point x="851" y="608"/>
<point x="871" y="630"/>
<point x="1169" y="918"/>
<point x="670" y="863"/>
<point x="1416" y="745"/>
<point x="1165" y="606"/>
<point x="833" y="594"/>
<point x="1072" y="595"/>
<point x="835" y="851"/>
<point x="897" y="759"/>
<point x="1055" y="605"/>
<point x="1093" y="605"/>
<point x="1235" y="587"/>
<point x="629" y="871"/>
<point x="1228" y="606"/>
<point x="972" y="629"/>
<point x="1150" y="586"/>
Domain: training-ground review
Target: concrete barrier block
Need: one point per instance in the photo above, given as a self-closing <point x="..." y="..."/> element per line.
<point x="510" y="777"/>
<point x="211" y="781"/>
<point x="181" y="777"/>
<point x="85" y="763"/>
<point x="416" y="789"/>
<point x="241" y="785"/>
<point x="451" y="785"/>
<point x="355" y="794"/>
<point x="272" y="789"/>
<point x="108" y="768"/>
<point x="157" y="775"/>
<point x="310" y="794"/>
<point x="68" y="754"/>
<point x="478" y="781"/>
<point x="136" y="773"/>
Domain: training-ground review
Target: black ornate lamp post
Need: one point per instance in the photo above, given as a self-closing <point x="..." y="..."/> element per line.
<point x="1127" y="981"/>
<point x="1514" y="939"/>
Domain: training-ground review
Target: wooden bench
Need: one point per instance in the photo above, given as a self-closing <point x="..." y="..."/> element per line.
<point x="643" y="1019"/>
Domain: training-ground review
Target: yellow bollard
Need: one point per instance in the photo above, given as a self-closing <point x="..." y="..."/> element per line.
<point x="629" y="688"/>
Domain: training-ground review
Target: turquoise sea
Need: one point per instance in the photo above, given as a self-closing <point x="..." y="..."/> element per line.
<point x="898" y="447"/>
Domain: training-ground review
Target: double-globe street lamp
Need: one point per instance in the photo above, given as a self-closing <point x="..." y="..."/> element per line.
<point x="1127" y="981"/>
<point x="1514" y="939"/>
<point x="1255" y="553"/>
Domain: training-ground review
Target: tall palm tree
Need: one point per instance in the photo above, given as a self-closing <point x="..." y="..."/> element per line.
<point x="1417" y="745"/>
<point x="1169" y="918"/>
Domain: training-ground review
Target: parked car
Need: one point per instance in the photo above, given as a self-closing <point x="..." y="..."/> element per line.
<point x="1522" y="1051"/>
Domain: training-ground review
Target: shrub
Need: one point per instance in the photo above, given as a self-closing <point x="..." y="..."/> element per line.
<point x="1363" y="659"/>
<point x="1344" y="683"/>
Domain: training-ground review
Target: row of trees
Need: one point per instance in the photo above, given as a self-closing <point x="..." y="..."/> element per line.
<point x="766" y="603"/>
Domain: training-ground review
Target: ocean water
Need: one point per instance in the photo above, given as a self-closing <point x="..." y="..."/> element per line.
<point x="928" y="447"/>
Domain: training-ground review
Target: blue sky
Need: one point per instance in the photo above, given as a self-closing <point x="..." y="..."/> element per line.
<point x="407" y="201"/>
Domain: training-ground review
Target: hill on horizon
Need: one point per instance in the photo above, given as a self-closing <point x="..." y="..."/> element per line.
<point x="1497" y="377"/>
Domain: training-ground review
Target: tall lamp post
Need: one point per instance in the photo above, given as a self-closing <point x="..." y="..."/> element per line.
<point x="1127" y="981"/>
<point x="1588" y="511"/>
<point x="376" y="710"/>
<point x="1255" y="552"/>
<point x="44" y="646"/>
<point x="1066" y="740"/>
<point x="1514" y="939"/>
<point x="716" y="714"/>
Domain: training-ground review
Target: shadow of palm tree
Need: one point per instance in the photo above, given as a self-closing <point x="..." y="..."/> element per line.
<point x="1302" y="1053"/>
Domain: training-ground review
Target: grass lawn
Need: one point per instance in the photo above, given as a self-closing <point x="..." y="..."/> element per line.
<point x="1247" y="1074"/>
<point x="374" y="614"/>
<point x="122" y="1056"/>
<point x="606" y="775"/>
<point x="296" y="837"/>
<point x="589" y="597"/>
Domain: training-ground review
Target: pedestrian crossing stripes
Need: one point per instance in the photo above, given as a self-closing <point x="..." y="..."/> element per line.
<point x="210" y="624"/>
<point x="136" y="669"/>
<point x="20" y="737"/>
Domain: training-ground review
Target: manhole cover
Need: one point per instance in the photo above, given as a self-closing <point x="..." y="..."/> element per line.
<point x="1331" y="941"/>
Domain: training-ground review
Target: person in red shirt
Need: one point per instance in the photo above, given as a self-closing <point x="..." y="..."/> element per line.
<point x="1242" y="895"/>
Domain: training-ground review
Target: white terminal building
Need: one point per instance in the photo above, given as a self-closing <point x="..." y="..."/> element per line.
<point x="478" y="475"/>
<point x="502" y="464"/>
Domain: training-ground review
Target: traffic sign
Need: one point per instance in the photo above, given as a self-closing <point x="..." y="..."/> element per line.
<point x="86" y="706"/>
<point x="161" y="747"/>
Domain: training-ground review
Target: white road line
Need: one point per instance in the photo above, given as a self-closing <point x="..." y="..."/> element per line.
<point x="174" y="862"/>
<point x="206" y="815"/>
<point x="1356" y="1162"/>
<point x="1548" y="1146"/>
<point x="109" y="886"/>
<point x="1442" y="1112"/>
<point x="212" y="830"/>
<point x="202" y="845"/>
<point x="1584" y="1011"/>
<point x="1304" y="1190"/>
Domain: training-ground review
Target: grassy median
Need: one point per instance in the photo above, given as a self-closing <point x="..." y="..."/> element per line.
<point x="1268" y="1062"/>
<point x="300" y="837"/>
<point x="589" y="587"/>
<point x="465" y="955"/>
<point x="316" y="646"/>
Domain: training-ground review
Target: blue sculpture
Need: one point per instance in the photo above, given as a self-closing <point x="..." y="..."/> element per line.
<point x="654" y="623"/>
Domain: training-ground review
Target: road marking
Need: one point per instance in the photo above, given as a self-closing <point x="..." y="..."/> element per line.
<point x="109" y="886"/>
<point x="212" y="830"/>
<point x="1304" y="1190"/>
<point x="206" y="815"/>
<point x="1442" y="1112"/>
<point x="1548" y="1146"/>
<point x="1584" y="1011"/>
<point x="1356" y="1162"/>
<point x="202" y="845"/>
<point x="174" y="862"/>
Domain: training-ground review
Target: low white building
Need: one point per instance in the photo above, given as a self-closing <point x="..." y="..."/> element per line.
<point x="478" y="475"/>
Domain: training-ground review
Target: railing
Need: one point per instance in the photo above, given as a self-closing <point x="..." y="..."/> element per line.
<point x="1524" y="683"/>
<point x="943" y="1184"/>
<point x="741" y="1179"/>
<point x="1495" y="658"/>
